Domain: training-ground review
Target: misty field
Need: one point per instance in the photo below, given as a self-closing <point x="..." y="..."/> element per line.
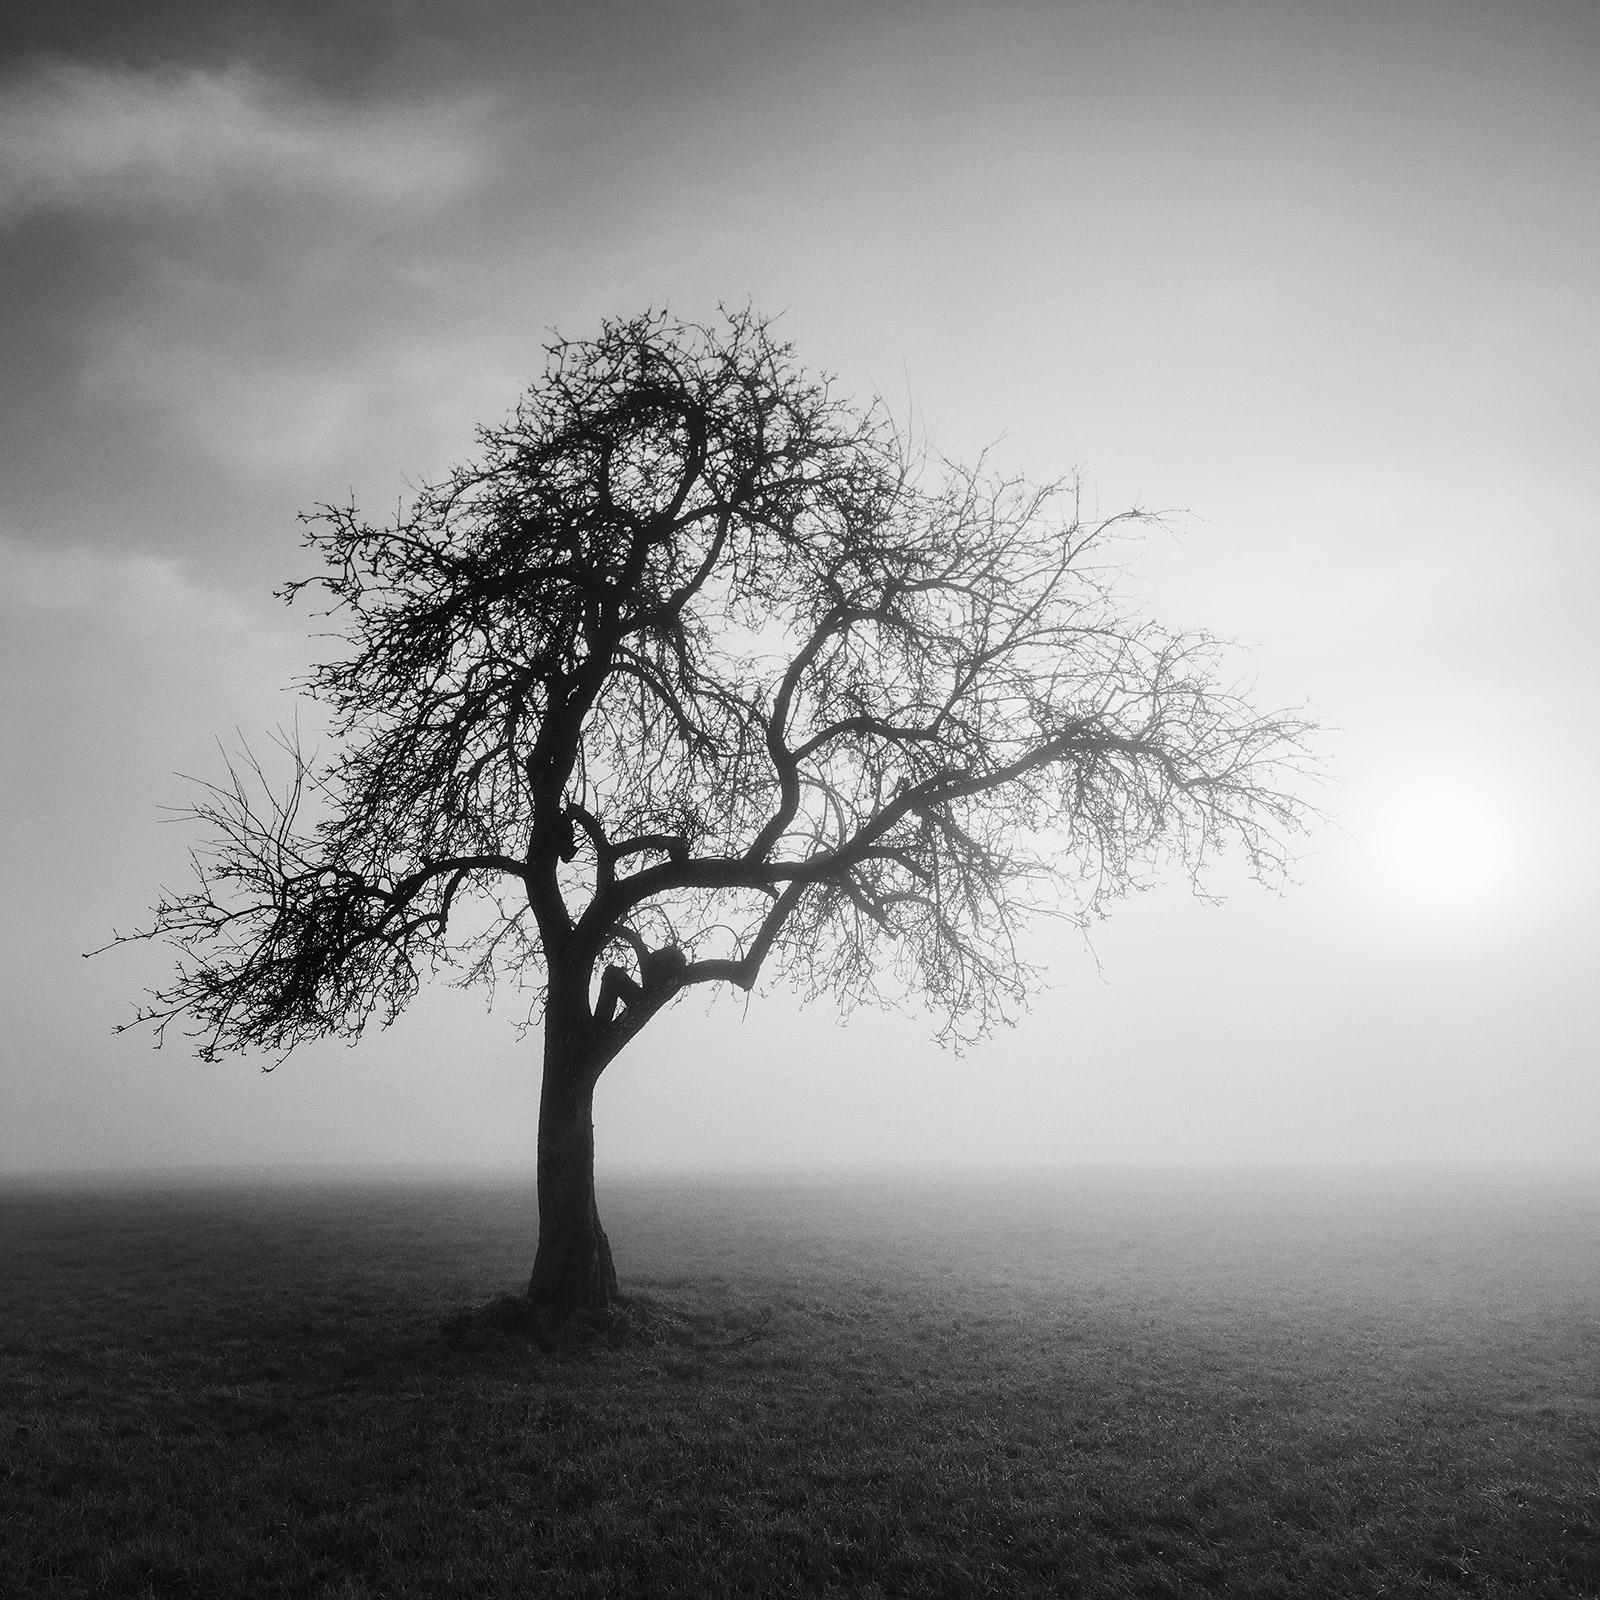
<point x="1112" y="1384"/>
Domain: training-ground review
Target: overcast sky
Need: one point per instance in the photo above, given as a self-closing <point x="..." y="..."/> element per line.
<point x="1324" y="276"/>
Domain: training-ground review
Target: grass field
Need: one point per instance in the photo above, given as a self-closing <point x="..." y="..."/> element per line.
<point x="1113" y="1384"/>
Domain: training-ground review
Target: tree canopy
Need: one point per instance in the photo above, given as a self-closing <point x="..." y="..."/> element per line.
<point x="699" y="672"/>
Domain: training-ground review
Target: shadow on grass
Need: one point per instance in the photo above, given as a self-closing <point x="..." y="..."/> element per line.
<point x="637" y="1322"/>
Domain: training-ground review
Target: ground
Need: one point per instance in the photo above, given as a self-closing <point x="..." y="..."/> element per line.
<point x="1114" y="1384"/>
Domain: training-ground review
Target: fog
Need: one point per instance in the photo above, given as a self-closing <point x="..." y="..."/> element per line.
<point x="1320" y="278"/>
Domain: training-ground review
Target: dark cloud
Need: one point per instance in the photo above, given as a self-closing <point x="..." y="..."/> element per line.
<point x="353" y="46"/>
<point x="365" y="48"/>
<point x="203" y="271"/>
<point x="240" y="243"/>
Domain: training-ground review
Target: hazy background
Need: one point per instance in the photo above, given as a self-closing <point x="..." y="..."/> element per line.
<point x="1323" y="274"/>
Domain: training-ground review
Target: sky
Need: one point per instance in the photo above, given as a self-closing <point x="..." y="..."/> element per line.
<point x="1321" y="280"/>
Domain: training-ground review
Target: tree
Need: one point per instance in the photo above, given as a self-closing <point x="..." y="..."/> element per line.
<point x="697" y="673"/>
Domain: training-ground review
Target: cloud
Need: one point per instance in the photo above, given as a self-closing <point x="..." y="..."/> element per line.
<point x="79" y="137"/>
<point x="252" y="410"/>
<point x="150" y="596"/>
<point x="116" y="667"/>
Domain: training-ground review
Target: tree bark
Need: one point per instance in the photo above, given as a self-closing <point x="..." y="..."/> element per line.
<point x="572" y="1270"/>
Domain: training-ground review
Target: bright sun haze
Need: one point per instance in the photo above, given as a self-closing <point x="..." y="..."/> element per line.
<point x="1440" y="846"/>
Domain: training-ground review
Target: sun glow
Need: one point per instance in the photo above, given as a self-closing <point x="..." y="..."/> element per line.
<point x="1442" y="846"/>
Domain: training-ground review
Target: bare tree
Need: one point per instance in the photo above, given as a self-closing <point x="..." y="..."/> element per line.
<point x="697" y="673"/>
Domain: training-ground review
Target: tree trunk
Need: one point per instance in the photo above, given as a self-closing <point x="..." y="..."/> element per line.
<point x="573" y="1269"/>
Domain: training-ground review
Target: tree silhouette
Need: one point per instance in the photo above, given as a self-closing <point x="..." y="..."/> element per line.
<point x="698" y="673"/>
